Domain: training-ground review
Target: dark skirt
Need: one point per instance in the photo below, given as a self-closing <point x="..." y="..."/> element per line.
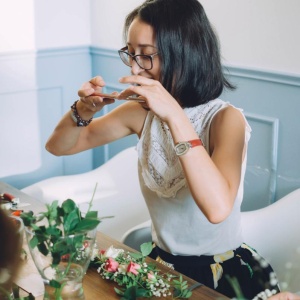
<point x="241" y="273"/>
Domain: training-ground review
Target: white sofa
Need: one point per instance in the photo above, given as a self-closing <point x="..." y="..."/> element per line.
<point x="118" y="192"/>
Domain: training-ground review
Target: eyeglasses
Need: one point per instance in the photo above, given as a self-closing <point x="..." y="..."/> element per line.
<point x="144" y="61"/>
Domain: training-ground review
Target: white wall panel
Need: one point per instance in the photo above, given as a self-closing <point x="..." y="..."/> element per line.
<point x="21" y="152"/>
<point x="17" y="25"/>
<point x="258" y="33"/>
<point x="62" y="23"/>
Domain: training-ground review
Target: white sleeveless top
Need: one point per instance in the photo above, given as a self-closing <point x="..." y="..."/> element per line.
<point x="178" y="225"/>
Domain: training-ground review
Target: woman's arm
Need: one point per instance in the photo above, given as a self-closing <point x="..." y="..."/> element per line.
<point x="213" y="178"/>
<point x="67" y="138"/>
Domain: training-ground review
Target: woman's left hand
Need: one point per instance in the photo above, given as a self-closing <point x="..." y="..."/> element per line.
<point x="157" y="98"/>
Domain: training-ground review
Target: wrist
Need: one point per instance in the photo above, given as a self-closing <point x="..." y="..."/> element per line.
<point x="182" y="148"/>
<point x="80" y="122"/>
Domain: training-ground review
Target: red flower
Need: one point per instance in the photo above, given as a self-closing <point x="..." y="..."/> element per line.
<point x="111" y="265"/>
<point x="65" y="257"/>
<point x="133" y="267"/>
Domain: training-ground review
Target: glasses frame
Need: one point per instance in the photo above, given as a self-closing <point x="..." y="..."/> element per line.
<point x="134" y="57"/>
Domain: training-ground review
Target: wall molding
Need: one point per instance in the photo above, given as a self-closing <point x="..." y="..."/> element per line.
<point x="265" y="75"/>
<point x="274" y="124"/>
<point x="63" y="51"/>
<point x="239" y="71"/>
<point x="108" y="52"/>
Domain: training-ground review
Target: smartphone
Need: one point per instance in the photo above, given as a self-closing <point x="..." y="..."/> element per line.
<point x="110" y="96"/>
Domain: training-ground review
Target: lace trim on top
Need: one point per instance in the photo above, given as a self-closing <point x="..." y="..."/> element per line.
<point x="161" y="168"/>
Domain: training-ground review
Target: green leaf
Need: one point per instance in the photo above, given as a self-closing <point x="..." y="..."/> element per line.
<point x="53" y="231"/>
<point x="68" y="206"/>
<point x="146" y="248"/>
<point x="119" y="292"/>
<point x="52" y="210"/>
<point x="71" y="221"/>
<point x="56" y="258"/>
<point x="130" y="293"/>
<point x="43" y="248"/>
<point x="54" y="284"/>
<point x="27" y="218"/>
<point x="60" y="246"/>
<point x="91" y="215"/>
<point x="86" y="225"/>
<point x="136" y="255"/>
<point x="142" y="293"/>
<point x="33" y="242"/>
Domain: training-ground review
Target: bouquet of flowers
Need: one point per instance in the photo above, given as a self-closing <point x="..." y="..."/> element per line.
<point x="136" y="277"/>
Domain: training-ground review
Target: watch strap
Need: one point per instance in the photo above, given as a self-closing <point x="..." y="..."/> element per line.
<point x="194" y="143"/>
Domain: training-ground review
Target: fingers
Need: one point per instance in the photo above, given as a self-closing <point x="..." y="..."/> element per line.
<point x="127" y="93"/>
<point x="138" y="85"/>
<point x="136" y="79"/>
<point x="97" y="81"/>
<point x="94" y="85"/>
<point x="95" y="103"/>
<point x="85" y="92"/>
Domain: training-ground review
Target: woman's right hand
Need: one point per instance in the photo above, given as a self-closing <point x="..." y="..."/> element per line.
<point x="89" y="104"/>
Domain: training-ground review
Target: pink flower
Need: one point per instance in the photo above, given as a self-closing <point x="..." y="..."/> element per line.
<point x="151" y="276"/>
<point x="133" y="267"/>
<point x="111" y="265"/>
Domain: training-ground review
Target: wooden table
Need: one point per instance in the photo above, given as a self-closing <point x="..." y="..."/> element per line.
<point x="96" y="287"/>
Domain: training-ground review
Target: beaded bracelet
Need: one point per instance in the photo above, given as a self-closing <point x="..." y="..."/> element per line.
<point x="77" y="119"/>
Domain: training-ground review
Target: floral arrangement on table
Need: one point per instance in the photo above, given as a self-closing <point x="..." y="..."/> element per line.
<point x="64" y="236"/>
<point x="136" y="277"/>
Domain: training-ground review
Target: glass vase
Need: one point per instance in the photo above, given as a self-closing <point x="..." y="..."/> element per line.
<point x="62" y="263"/>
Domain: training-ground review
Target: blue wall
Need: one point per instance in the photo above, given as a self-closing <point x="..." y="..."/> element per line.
<point x="37" y="88"/>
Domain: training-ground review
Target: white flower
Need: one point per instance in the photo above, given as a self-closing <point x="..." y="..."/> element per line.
<point x="94" y="253"/>
<point x="122" y="268"/>
<point x="112" y="252"/>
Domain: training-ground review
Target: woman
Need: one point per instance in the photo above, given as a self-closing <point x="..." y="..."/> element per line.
<point x="192" y="146"/>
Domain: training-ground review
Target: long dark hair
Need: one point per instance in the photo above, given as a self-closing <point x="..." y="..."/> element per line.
<point x="188" y="48"/>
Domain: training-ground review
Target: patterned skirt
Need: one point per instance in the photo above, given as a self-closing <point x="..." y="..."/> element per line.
<point x="241" y="273"/>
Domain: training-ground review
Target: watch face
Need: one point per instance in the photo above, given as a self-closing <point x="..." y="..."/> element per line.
<point x="181" y="148"/>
